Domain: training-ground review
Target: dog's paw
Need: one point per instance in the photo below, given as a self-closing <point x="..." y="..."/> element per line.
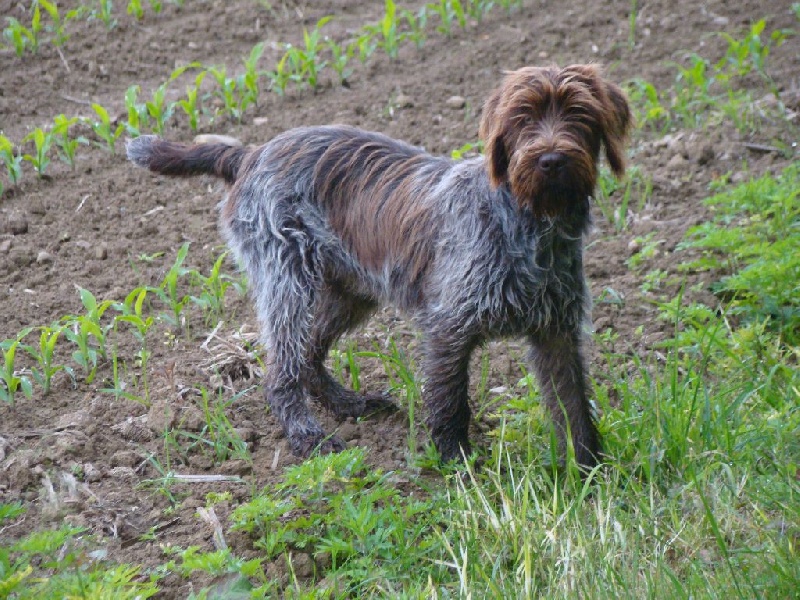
<point x="309" y="445"/>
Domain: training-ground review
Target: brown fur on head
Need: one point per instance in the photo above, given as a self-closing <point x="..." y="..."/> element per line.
<point x="543" y="129"/>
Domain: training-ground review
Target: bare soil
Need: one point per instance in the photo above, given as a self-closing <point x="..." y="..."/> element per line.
<point x="110" y="228"/>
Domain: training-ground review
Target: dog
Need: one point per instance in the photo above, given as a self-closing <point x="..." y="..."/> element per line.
<point x="331" y="222"/>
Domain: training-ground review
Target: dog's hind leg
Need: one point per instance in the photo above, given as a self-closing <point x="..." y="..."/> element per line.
<point x="335" y="313"/>
<point x="559" y="367"/>
<point x="284" y="271"/>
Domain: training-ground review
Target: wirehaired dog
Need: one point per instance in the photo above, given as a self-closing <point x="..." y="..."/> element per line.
<point x="330" y="223"/>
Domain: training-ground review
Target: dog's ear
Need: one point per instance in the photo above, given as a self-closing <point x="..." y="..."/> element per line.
<point x="492" y="132"/>
<point x="616" y="127"/>
<point x="616" y="117"/>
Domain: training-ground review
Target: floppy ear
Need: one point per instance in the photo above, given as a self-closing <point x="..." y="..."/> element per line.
<point x="616" y="117"/>
<point x="491" y="131"/>
<point x="616" y="126"/>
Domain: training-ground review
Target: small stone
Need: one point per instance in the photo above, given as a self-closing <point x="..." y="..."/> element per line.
<point x="456" y="102"/>
<point x="101" y="252"/>
<point x="122" y="473"/>
<point x="260" y="121"/>
<point x="677" y="162"/>
<point x="403" y="101"/>
<point x="125" y="458"/>
<point x="634" y="246"/>
<point x="90" y="473"/>
<point x="5" y="246"/>
<point x="44" y="258"/>
<point x="17" y="226"/>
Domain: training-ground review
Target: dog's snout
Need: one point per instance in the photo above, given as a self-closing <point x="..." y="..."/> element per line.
<point x="551" y="162"/>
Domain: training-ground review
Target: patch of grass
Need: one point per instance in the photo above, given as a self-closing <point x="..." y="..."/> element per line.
<point x="59" y="563"/>
<point x="754" y="240"/>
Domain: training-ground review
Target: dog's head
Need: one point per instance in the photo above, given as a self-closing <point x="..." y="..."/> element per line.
<point x="543" y="129"/>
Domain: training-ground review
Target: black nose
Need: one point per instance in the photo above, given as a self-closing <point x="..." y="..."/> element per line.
<point x="551" y="162"/>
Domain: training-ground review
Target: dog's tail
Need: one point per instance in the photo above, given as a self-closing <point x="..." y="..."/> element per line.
<point x="218" y="156"/>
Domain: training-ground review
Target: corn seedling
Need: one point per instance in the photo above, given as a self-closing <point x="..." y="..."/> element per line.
<point x="364" y="45"/>
<point x="226" y="91"/>
<point x="211" y="298"/>
<point x="476" y="9"/>
<point x="159" y="110"/>
<point x="136" y="9"/>
<point x="308" y="58"/>
<point x="447" y="14"/>
<point x="104" y="128"/>
<point x="42" y="140"/>
<point x="11" y="160"/>
<point x="387" y="32"/>
<point x="57" y="27"/>
<point x="248" y="81"/>
<point x="11" y="380"/>
<point x="44" y="355"/>
<point x="21" y="37"/>
<point x="104" y="12"/>
<point x="168" y="293"/>
<point x="67" y="145"/>
<point x="88" y="334"/>
<point x="340" y="58"/>
<point x="416" y="24"/>
<point x="281" y="76"/>
<point x="156" y="6"/>
<point x="138" y="115"/>
<point x="190" y="105"/>
<point x="133" y="316"/>
<point x="509" y="5"/>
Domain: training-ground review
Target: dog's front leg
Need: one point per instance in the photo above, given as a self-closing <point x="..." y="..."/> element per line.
<point x="446" y="390"/>
<point x="559" y="366"/>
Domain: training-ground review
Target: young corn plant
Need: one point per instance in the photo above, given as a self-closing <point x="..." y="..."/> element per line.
<point x="211" y="299"/>
<point x="446" y="13"/>
<point x="308" y="58"/>
<point x="138" y="115"/>
<point x="44" y="353"/>
<point x="88" y="333"/>
<point x="387" y="32"/>
<point x="135" y="9"/>
<point x="191" y="105"/>
<point x="247" y="83"/>
<point x="416" y="24"/>
<point x="23" y="38"/>
<point x="12" y="381"/>
<point x="282" y="75"/>
<point x="226" y="91"/>
<point x="340" y="59"/>
<point x="58" y="25"/>
<point x="159" y="109"/>
<point x="476" y="9"/>
<point x="131" y="310"/>
<point x="168" y="292"/>
<point x="11" y="159"/>
<point x="42" y="140"/>
<point x="104" y="12"/>
<point x="104" y="128"/>
<point x="67" y="145"/>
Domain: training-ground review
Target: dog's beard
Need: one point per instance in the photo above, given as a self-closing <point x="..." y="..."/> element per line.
<point x="562" y="194"/>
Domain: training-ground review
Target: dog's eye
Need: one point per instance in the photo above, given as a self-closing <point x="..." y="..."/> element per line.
<point x="528" y="120"/>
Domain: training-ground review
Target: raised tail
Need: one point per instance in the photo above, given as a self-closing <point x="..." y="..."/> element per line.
<point x="222" y="159"/>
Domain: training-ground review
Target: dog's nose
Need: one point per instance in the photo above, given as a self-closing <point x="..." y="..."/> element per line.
<point x="551" y="162"/>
